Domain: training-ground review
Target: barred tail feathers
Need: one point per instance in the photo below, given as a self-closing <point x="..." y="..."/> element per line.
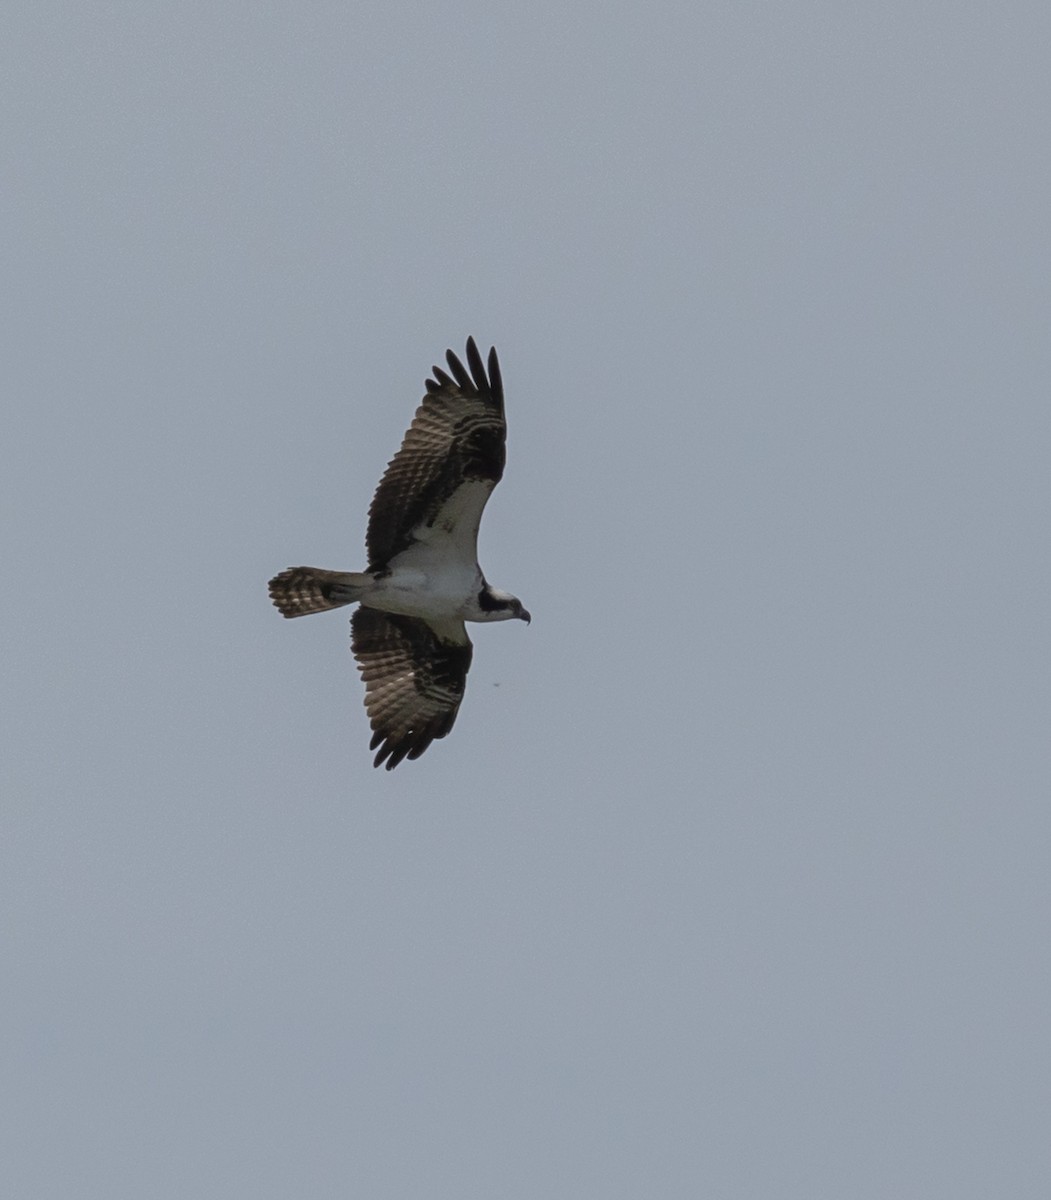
<point x="300" y="591"/>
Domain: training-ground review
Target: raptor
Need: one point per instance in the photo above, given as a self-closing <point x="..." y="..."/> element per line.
<point x="423" y="581"/>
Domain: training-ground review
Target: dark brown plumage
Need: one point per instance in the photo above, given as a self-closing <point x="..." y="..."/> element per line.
<point x="414" y="680"/>
<point x="300" y="591"/>
<point x="449" y="441"/>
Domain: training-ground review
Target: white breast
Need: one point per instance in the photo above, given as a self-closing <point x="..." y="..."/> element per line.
<point x="438" y="574"/>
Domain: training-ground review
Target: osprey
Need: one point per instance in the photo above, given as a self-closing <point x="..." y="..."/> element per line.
<point x="423" y="580"/>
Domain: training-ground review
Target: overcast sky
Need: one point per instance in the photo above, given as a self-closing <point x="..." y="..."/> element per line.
<point x="733" y="879"/>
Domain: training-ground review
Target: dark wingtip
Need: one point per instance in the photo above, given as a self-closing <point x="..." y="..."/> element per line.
<point x="473" y="377"/>
<point x="474" y="361"/>
<point x="392" y="754"/>
<point x="440" y="380"/>
<point x="459" y="371"/>
<point x="496" y="383"/>
<point x="486" y="384"/>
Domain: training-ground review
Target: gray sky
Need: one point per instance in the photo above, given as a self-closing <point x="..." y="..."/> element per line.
<point x="732" y="880"/>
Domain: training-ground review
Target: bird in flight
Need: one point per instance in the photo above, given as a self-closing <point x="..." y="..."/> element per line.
<point x="423" y="581"/>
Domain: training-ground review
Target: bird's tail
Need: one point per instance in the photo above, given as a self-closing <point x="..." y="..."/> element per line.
<point x="300" y="591"/>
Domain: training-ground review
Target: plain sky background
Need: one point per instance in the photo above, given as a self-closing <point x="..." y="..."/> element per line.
<point x="733" y="879"/>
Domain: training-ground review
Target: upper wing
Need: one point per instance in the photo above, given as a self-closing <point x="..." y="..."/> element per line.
<point x="457" y="438"/>
<point x="414" y="677"/>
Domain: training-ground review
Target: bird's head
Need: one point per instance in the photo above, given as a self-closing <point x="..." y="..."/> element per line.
<point x="495" y="605"/>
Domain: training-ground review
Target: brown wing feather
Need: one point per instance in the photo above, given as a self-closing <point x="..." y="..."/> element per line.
<point x="457" y="434"/>
<point x="414" y="680"/>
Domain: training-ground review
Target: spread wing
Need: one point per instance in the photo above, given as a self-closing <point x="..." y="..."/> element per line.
<point x="414" y="676"/>
<point x="451" y="458"/>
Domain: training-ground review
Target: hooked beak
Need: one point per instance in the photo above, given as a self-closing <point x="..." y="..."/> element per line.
<point x="524" y="616"/>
